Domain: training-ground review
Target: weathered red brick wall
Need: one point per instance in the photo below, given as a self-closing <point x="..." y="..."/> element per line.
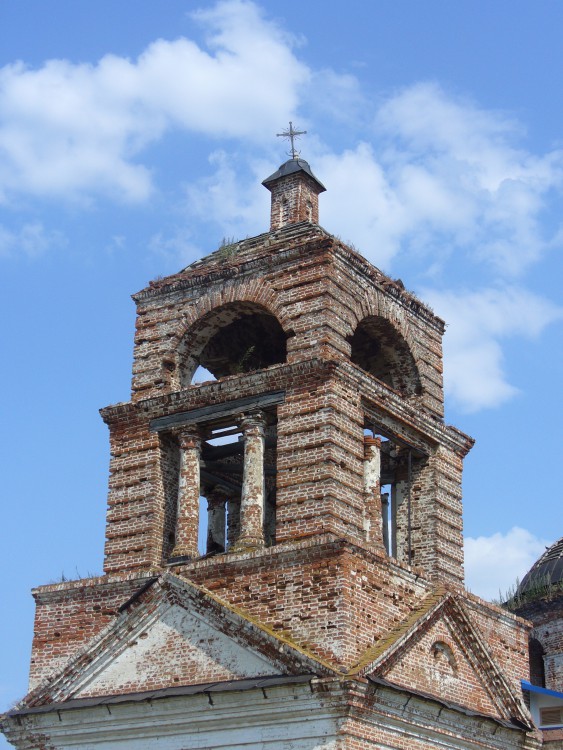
<point x="436" y="516"/>
<point x="546" y="614"/>
<point x="320" y="455"/>
<point x="319" y="471"/>
<point x="319" y="291"/>
<point x="136" y="506"/>
<point x="68" y="615"/>
<point x="333" y="598"/>
<point x="552" y="739"/>
<point x="359" y="291"/>
<point x="319" y="461"/>
<point x="506" y="637"/>
<point x="294" y="199"/>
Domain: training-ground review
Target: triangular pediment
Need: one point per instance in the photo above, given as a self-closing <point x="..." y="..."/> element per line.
<point x="176" y="647"/>
<point x="439" y="653"/>
<point x="175" y="633"/>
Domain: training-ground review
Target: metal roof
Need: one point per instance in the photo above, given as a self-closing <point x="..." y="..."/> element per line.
<point x="513" y="722"/>
<point x="291" y="167"/>
<point x="526" y="685"/>
<point x="150" y="695"/>
<point x="548" y="570"/>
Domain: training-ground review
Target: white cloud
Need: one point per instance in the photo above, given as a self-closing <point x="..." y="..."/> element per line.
<point x="443" y="175"/>
<point x="240" y="208"/>
<point x="177" y="247"/>
<point x="478" y="320"/>
<point x="362" y="204"/>
<point x="62" y="130"/>
<point x="494" y="563"/>
<point x="71" y="129"/>
<point x="30" y="240"/>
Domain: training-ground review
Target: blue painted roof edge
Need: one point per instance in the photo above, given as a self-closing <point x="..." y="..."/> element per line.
<point x="544" y="691"/>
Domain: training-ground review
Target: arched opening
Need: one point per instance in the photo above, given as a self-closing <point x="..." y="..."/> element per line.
<point x="537" y="668"/>
<point x="234" y="338"/>
<point x="378" y="348"/>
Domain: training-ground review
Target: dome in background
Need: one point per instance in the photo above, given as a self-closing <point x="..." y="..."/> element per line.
<point x="546" y="571"/>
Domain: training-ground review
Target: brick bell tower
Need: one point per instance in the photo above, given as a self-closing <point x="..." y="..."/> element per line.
<point x="283" y="559"/>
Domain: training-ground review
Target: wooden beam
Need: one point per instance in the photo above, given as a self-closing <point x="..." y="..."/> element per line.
<point x="216" y="411"/>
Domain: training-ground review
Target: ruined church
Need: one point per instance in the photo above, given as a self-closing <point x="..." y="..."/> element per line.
<point x="283" y="556"/>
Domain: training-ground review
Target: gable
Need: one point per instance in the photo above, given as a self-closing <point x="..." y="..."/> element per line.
<point x="437" y="652"/>
<point x="436" y="664"/>
<point x="174" y="633"/>
<point x="178" y="648"/>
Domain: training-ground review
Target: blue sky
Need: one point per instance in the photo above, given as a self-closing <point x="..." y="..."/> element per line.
<point x="134" y="137"/>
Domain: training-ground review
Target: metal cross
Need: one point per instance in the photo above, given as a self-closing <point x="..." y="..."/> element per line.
<point x="292" y="134"/>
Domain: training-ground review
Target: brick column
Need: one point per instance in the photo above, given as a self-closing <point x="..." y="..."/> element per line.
<point x="252" y="499"/>
<point x="372" y="489"/>
<point x="385" y="518"/>
<point x="187" y="515"/>
<point x="399" y="530"/>
<point x="216" y="500"/>
<point x="233" y="521"/>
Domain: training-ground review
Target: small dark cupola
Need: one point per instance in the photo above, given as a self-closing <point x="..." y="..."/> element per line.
<point x="295" y="189"/>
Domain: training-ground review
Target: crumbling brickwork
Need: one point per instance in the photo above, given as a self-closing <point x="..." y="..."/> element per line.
<point x="68" y="615"/>
<point x="546" y="612"/>
<point x="319" y="291"/>
<point x="319" y="364"/>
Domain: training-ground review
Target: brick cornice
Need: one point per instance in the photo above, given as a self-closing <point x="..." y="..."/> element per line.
<point x="285" y="245"/>
<point x="380" y="395"/>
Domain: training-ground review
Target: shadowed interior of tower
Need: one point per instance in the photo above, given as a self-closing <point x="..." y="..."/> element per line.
<point x="232" y="339"/>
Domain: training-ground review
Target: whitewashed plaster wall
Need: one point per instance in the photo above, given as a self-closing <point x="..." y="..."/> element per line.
<point x="284" y="718"/>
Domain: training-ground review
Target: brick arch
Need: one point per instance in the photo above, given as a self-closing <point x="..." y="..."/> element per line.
<point x="380" y="305"/>
<point x="382" y="318"/>
<point x="246" y="296"/>
<point x="537" y="666"/>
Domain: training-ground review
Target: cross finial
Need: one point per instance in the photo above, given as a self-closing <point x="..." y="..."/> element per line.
<point x="292" y="134"/>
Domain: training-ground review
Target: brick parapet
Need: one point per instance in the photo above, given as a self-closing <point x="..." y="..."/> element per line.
<point x="283" y="246"/>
